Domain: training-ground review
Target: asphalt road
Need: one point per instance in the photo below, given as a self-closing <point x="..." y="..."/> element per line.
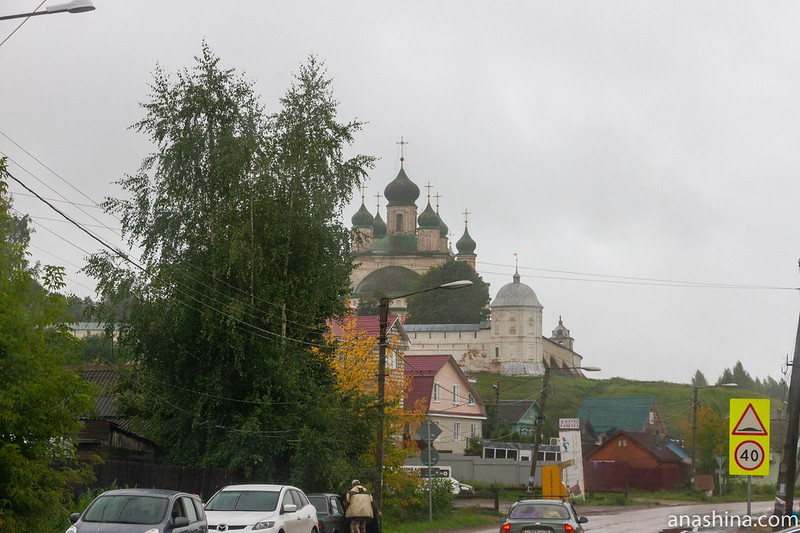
<point x="669" y="517"/>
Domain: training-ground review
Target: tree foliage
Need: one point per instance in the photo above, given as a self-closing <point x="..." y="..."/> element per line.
<point x="699" y="380"/>
<point x="244" y="258"/>
<point x="712" y="437"/>
<point x="469" y="305"/>
<point x="40" y="397"/>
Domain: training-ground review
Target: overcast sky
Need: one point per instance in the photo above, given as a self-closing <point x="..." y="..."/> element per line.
<point x="640" y="158"/>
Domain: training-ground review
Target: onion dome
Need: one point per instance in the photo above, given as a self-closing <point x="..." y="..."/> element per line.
<point x="401" y="191"/>
<point x="443" y="229"/>
<point x="429" y="219"/>
<point x="465" y="244"/>
<point x="378" y="227"/>
<point x="362" y="218"/>
<point x="516" y="294"/>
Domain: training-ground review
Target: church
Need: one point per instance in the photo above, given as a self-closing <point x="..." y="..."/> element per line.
<point x="390" y="255"/>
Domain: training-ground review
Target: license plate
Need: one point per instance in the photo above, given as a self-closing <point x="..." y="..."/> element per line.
<point x="537" y="530"/>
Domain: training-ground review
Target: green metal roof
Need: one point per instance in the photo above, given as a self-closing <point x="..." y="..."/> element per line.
<point x="630" y="414"/>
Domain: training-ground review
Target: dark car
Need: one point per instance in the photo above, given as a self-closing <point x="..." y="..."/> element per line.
<point x="542" y="516"/>
<point x="330" y="513"/>
<point x="141" y="511"/>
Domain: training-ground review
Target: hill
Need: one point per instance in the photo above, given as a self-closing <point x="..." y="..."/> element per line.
<point x="566" y="394"/>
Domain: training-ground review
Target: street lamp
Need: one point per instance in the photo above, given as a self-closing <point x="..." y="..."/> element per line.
<point x="383" y="317"/>
<point x="695" y="405"/>
<point x="539" y="422"/>
<point x="75" y="6"/>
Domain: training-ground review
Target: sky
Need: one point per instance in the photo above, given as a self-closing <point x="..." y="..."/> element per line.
<point x="639" y="157"/>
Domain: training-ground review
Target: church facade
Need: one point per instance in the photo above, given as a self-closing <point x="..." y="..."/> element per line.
<point x="392" y="254"/>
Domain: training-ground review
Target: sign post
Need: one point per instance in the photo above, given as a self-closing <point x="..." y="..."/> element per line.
<point x="748" y="452"/>
<point x="429" y="430"/>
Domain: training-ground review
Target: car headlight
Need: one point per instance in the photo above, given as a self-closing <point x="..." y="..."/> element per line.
<point x="264" y="524"/>
<point x="153" y="530"/>
<point x="72" y="529"/>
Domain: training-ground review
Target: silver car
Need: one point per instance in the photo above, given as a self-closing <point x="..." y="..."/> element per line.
<point x="141" y="511"/>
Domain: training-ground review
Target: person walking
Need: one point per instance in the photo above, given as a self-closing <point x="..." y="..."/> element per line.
<point x="359" y="507"/>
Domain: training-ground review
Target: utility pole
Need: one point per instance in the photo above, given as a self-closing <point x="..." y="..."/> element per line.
<point x="538" y="423"/>
<point x="496" y="388"/>
<point x="787" y="471"/>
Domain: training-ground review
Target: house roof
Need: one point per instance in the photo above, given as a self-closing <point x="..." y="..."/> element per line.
<point x="512" y="411"/>
<point x="367" y="326"/>
<point x="631" y="414"/>
<point x="652" y="444"/>
<point x="105" y="377"/>
<point x="423" y="370"/>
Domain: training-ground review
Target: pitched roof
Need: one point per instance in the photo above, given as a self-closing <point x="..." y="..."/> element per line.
<point x="620" y="413"/>
<point x="423" y="370"/>
<point x="657" y="447"/>
<point x="512" y="411"/>
<point x="366" y="326"/>
<point x="105" y="408"/>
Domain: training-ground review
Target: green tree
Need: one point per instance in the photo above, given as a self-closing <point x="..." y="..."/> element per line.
<point x="40" y="397"/>
<point x="464" y="306"/>
<point x="712" y="437"/>
<point x="699" y="380"/>
<point x="244" y="259"/>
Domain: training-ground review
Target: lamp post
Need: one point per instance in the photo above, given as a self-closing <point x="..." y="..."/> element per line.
<point x="75" y="6"/>
<point x="695" y="405"/>
<point x="539" y="422"/>
<point x="383" y="320"/>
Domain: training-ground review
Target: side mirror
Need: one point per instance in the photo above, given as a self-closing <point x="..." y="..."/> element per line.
<point x="180" y="521"/>
<point x="290" y="508"/>
<point x="74" y="517"/>
<point x="583" y="520"/>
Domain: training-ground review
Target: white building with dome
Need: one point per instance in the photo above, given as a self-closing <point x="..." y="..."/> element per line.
<point x="511" y="344"/>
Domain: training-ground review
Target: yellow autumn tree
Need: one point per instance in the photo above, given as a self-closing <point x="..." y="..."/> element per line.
<point x="354" y="362"/>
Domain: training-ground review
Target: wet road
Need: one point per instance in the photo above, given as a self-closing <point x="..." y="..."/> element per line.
<point x="727" y="517"/>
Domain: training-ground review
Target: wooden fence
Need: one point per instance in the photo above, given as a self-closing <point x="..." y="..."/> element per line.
<point x="202" y="481"/>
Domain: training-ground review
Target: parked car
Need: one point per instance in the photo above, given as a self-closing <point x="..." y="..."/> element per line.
<point x="330" y="513"/>
<point x="461" y="489"/>
<point x="255" y="507"/>
<point x="542" y="516"/>
<point x="141" y="511"/>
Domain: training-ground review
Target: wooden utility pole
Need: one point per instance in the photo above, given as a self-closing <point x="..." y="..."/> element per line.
<point x="787" y="472"/>
<point x="538" y="433"/>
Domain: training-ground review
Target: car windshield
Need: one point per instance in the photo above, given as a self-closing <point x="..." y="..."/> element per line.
<point x="127" y="510"/>
<point x="319" y="502"/>
<point x="538" y="510"/>
<point x="243" y="500"/>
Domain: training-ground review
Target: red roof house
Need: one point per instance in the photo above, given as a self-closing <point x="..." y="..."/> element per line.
<point x="450" y="400"/>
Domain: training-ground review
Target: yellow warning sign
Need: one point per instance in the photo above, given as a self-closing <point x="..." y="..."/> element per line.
<point x="749" y="437"/>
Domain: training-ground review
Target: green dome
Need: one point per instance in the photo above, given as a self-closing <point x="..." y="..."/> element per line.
<point x="378" y="227"/>
<point x="363" y="218"/>
<point x="429" y="219"/>
<point x="443" y="229"/>
<point x="465" y="244"/>
<point x="401" y="191"/>
<point x="387" y="281"/>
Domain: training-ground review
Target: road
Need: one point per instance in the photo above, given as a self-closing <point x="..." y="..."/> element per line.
<point x="655" y="519"/>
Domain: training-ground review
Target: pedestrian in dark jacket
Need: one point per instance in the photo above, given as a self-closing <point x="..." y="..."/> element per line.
<point x="359" y="507"/>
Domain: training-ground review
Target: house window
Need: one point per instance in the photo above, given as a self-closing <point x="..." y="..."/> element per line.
<point x="399" y="222"/>
<point x="437" y="392"/>
<point x="651" y="417"/>
<point x="622" y="443"/>
<point x="473" y="430"/>
<point x="471" y="399"/>
<point x="457" y="431"/>
<point x="455" y="395"/>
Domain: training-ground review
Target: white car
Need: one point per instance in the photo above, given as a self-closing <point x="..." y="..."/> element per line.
<point x="252" y="507"/>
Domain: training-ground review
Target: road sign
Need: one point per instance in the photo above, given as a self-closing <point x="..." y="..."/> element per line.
<point x="428" y="431"/>
<point x="429" y="456"/>
<point x="749" y="437"/>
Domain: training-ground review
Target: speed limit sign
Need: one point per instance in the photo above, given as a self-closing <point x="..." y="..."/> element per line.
<point x="749" y="455"/>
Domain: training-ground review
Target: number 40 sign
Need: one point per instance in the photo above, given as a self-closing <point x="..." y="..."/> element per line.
<point x="749" y="437"/>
